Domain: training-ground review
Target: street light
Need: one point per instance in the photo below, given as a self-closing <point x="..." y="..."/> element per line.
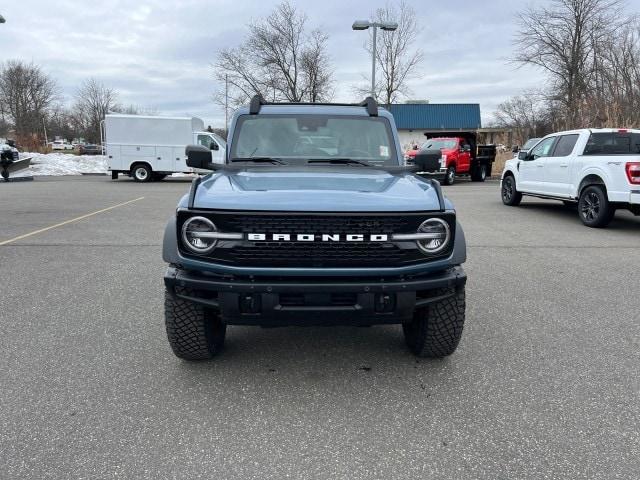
<point x="364" y="25"/>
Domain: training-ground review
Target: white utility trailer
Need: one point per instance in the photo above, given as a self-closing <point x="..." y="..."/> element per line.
<point x="150" y="148"/>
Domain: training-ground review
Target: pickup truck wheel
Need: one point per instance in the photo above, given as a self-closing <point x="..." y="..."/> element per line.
<point x="594" y="207"/>
<point x="510" y="195"/>
<point x="479" y="173"/>
<point x="141" y="173"/>
<point x="450" y="176"/>
<point x="194" y="332"/>
<point x="435" y="331"/>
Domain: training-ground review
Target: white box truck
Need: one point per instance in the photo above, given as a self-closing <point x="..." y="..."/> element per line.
<point x="150" y="148"/>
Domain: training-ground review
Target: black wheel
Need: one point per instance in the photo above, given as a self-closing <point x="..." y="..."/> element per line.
<point x="450" y="176"/>
<point x="594" y="207"/>
<point x="479" y="173"/>
<point x="194" y="332"/>
<point x="141" y="173"/>
<point x="510" y="195"/>
<point x="435" y="331"/>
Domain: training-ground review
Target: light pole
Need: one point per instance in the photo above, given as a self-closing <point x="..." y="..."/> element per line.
<point x="364" y="25"/>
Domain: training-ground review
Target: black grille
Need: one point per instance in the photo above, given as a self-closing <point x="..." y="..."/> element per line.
<point x="317" y="254"/>
<point x="318" y="224"/>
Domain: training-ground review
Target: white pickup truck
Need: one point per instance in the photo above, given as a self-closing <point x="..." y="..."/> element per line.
<point x="599" y="169"/>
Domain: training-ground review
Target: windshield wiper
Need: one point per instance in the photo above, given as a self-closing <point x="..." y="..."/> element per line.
<point x="260" y="160"/>
<point x="339" y="161"/>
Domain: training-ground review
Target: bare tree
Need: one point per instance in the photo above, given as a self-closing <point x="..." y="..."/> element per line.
<point x="316" y="68"/>
<point x="396" y="58"/>
<point x="526" y="114"/>
<point x="93" y="101"/>
<point x="563" y="40"/>
<point x="278" y="59"/>
<point x="26" y="93"/>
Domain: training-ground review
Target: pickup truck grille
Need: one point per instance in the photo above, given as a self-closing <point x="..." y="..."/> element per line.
<point x="317" y="254"/>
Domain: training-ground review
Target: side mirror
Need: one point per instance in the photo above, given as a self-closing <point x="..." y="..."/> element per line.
<point x="523" y="155"/>
<point x="215" y="146"/>
<point x="198" y="156"/>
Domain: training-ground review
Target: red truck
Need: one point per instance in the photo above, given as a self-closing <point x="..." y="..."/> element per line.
<point x="460" y="155"/>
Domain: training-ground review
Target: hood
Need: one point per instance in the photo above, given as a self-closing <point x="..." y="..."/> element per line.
<point x="316" y="189"/>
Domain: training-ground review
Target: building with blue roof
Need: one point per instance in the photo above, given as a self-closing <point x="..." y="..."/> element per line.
<point x="416" y="121"/>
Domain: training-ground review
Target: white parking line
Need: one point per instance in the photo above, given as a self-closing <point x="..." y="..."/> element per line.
<point x="66" y="222"/>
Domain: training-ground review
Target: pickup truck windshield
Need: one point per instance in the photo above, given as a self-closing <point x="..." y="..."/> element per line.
<point x="439" y="144"/>
<point x="303" y="138"/>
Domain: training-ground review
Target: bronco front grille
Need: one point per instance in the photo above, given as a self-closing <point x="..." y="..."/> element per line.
<point x="317" y="254"/>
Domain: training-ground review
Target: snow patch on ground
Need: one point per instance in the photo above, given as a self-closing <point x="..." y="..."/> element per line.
<point x="62" y="164"/>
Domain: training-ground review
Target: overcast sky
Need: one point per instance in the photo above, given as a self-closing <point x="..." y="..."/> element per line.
<point x="158" y="54"/>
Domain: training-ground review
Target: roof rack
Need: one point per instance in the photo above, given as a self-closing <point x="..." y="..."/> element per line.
<point x="258" y="100"/>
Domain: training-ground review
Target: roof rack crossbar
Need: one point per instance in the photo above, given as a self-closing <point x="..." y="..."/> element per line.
<point x="371" y="106"/>
<point x="257" y="101"/>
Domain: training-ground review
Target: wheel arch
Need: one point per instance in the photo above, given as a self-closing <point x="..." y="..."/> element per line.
<point x="139" y="162"/>
<point x="590" y="179"/>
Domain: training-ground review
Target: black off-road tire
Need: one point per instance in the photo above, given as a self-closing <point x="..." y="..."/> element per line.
<point x="194" y="332"/>
<point x="141" y="172"/>
<point x="435" y="331"/>
<point x="594" y="208"/>
<point x="450" y="176"/>
<point x="509" y="193"/>
<point x="479" y="173"/>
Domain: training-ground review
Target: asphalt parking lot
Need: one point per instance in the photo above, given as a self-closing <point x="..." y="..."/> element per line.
<point x="545" y="383"/>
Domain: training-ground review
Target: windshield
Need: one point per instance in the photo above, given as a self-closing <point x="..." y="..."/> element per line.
<point x="530" y="143"/>
<point x="440" y="143"/>
<point x="299" y="138"/>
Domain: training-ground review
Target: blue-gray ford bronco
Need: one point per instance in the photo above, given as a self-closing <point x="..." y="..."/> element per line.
<point x="313" y="220"/>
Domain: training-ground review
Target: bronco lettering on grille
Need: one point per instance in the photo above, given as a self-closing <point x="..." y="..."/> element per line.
<point x="310" y="237"/>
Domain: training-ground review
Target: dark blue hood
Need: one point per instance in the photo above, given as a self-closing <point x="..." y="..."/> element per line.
<point x="316" y="189"/>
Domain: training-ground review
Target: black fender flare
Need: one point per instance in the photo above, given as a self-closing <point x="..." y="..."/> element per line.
<point x="459" y="255"/>
<point x="170" y="243"/>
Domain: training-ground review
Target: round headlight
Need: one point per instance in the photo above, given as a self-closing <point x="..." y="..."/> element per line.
<point x="197" y="235"/>
<point x="437" y="235"/>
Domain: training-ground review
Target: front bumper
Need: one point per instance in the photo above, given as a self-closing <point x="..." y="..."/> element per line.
<point x="316" y="301"/>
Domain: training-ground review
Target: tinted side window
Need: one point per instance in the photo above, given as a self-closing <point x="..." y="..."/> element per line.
<point x="565" y="145"/>
<point x="613" y="143"/>
<point x="543" y="149"/>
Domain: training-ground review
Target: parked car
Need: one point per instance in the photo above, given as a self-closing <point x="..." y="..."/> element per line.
<point x="274" y="237"/>
<point x="527" y="146"/>
<point x="61" y="145"/>
<point x="90" y="149"/>
<point x="597" y="169"/>
<point x="460" y="155"/>
<point x="150" y="148"/>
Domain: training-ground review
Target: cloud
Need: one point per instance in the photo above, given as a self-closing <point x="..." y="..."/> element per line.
<point x="159" y="54"/>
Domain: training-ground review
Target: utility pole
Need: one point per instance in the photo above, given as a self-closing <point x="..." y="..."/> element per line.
<point x="44" y="125"/>
<point x="226" y="102"/>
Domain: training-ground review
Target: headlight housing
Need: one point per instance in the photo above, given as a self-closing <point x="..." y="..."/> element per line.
<point x="199" y="235"/>
<point x="437" y="235"/>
